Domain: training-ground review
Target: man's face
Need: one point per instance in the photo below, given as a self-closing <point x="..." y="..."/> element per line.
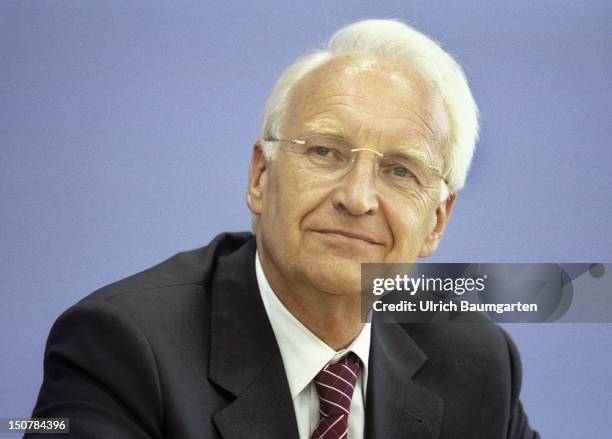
<point x="315" y="232"/>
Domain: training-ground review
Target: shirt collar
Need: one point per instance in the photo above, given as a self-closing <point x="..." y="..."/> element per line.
<point x="303" y="353"/>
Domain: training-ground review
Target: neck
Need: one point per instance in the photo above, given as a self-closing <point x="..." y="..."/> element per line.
<point x="335" y="319"/>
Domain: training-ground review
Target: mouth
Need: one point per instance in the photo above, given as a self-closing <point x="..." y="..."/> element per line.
<point x="348" y="235"/>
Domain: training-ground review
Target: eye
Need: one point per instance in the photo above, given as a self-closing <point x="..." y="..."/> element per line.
<point x="322" y="151"/>
<point x="400" y="171"/>
<point x="325" y="154"/>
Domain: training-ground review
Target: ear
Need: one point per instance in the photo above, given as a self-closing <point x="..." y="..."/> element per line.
<point x="442" y="215"/>
<point x="257" y="179"/>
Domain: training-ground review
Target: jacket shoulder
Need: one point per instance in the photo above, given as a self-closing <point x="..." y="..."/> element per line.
<point x="112" y="359"/>
<point x="185" y="271"/>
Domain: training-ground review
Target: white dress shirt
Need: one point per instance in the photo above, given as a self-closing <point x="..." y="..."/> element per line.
<point x="304" y="355"/>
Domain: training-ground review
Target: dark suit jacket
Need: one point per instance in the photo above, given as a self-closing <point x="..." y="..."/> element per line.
<point x="185" y="350"/>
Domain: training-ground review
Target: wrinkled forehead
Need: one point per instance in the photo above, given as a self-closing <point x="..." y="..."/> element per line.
<point x="364" y="74"/>
<point x="365" y="98"/>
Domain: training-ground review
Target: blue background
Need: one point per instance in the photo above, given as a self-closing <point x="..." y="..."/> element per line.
<point x="126" y="130"/>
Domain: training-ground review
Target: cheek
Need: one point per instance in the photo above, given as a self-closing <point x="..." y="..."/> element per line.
<point x="290" y="197"/>
<point x="410" y="225"/>
<point x="421" y="202"/>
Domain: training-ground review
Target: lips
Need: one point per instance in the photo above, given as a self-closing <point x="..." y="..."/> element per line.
<point x="349" y="234"/>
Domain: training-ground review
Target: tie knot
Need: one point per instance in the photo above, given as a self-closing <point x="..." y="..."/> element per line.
<point x="335" y="385"/>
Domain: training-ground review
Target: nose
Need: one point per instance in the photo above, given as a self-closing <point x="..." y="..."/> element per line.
<point x="356" y="193"/>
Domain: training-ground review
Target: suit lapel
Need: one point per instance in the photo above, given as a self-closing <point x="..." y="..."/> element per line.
<point x="396" y="406"/>
<point x="246" y="362"/>
<point x="244" y="356"/>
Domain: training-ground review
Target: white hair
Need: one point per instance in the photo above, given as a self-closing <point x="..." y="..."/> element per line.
<point x="400" y="43"/>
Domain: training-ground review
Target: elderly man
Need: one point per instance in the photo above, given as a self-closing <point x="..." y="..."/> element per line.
<point x="364" y="147"/>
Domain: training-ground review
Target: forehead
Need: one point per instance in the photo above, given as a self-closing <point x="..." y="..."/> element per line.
<point x="368" y="99"/>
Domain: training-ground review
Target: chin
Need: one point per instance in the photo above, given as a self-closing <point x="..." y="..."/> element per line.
<point x="336" y="275"/>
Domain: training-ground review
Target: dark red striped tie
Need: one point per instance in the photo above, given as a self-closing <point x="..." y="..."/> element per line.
<point x="335" y="384"/>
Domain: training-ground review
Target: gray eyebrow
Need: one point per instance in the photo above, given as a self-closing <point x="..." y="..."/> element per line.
<point x="325" y="127"/>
